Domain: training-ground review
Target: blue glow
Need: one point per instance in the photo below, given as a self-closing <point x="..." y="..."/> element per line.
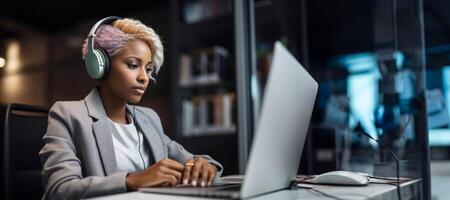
<point x="446" y="85"/>
<point x="399" y="58"/>
<point x="441" y="137"/>
<point x="362" y="89"/>
<point x="357" y="62"/>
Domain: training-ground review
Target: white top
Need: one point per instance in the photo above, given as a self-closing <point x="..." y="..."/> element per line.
<point x="127" y="145"/>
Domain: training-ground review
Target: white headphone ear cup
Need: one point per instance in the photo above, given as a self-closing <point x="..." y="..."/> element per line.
<point x="105" y="60"/>
<point x="100" y="63"/>
<point x="94" y="64"/>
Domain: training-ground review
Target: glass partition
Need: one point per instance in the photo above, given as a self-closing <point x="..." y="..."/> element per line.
<point x="369" y="60"/>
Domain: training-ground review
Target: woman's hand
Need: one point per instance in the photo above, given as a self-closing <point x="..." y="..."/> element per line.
<point x="199" y="171"/>
<point x="166" y="172"/>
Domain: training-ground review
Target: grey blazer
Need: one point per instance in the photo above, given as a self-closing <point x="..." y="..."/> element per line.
<point x="78" y="159"/>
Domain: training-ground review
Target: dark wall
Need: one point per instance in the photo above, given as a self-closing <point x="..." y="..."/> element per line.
<point x="60" y="74"/>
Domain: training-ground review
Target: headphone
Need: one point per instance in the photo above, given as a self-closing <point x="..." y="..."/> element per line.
<point x="96" y="59"/>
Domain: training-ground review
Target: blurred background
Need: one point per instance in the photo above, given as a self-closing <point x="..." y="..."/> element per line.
<point x="383" y="68"/>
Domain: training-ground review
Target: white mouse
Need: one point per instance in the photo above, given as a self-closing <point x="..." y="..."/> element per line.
<point x="341" y="178"/>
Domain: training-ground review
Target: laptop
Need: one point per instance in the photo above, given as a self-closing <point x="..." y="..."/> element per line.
<point x="278" y="142"/>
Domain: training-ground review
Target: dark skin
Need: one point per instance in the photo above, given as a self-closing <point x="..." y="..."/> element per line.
<point x="127" y="81"/>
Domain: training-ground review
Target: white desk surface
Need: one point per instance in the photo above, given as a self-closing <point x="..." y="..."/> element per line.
<point x="409" y="190"/>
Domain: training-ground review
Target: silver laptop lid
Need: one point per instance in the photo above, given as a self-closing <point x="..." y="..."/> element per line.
<point x="286" y="111"/>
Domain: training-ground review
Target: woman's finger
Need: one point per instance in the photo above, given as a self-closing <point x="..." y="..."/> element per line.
<point x="187" y="172"/>
<point x="212" y="175"/>
<point x="170" y="179"/>
<point x="173" y="164"/>
<point x="165" y="184"/>
<point x="172" y="172"/>
<point x="195" y="172"/>
<point x="204" y="175"/>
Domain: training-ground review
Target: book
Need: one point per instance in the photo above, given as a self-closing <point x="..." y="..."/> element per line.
<point x="204" y="66"/>
<point x="209" y="114"/>
<point x="185" y="69"/>
<point x="194" y="11"/>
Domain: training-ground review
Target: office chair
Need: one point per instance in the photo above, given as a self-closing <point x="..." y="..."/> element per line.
<point x="2" y="127"/>
<point x="23" y="130"/>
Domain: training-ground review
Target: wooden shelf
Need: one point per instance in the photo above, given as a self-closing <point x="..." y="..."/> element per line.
<point x="208" y="85"/>
<point x="211" y="131"/>
<point x="208" y="21"/>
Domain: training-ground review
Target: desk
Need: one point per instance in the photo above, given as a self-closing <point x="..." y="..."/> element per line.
<point x="410" y="190"/>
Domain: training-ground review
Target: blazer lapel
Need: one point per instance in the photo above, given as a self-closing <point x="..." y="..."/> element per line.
<point x="102" y="132"/>
<point x="150" y="132"/>
<point x="105" y="146"/>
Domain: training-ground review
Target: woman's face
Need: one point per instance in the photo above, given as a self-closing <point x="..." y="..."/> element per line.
<point x="128" y="77"/>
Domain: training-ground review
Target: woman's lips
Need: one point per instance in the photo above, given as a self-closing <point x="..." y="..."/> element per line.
<point x="139" y="90"/>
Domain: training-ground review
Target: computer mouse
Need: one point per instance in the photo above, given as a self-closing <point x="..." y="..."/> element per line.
<point x="341" y="178"/>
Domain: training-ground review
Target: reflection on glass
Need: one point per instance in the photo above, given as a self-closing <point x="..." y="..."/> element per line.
<point x="368" y="64"/>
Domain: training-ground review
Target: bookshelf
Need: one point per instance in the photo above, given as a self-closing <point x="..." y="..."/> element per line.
<point x="204" y="83"/>
<point x="201" y="91"/>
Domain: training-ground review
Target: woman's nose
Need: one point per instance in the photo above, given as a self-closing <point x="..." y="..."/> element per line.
<point x="142" y="76"/>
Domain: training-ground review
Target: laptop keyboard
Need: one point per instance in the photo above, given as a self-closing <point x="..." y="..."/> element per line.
<point x="234" y="187"/>
<point x="222" y="187"/>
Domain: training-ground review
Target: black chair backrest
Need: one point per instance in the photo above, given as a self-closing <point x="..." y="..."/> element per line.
<point x="2" y="128"/>
<point x="24" y="127"/>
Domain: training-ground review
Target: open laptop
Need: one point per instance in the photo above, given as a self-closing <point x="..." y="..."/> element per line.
<point x="278" y="142"/>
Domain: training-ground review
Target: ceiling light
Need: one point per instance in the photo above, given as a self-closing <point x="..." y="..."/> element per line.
<point x="2" y="62"/>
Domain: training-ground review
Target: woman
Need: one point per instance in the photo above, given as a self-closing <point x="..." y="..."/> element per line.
<point x="103" y="145"/>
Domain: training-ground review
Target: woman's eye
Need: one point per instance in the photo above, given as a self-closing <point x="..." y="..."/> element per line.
<point x="148" y="69"/>
<point x="132" y="66"/>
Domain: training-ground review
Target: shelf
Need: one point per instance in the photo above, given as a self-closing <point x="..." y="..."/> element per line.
<point x="208" y="21"/>
<point x="208" y="85"/>
<point x="210" y="92"/>
<point x="210" y="131"/>
<point x="208" y="136"/>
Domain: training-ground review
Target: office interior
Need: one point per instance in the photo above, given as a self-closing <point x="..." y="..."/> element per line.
<point x="383" y="69"/>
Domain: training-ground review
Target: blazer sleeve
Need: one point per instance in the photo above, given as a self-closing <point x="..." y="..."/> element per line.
<point x="61" y="168"/>
<point x="178" y="152"/>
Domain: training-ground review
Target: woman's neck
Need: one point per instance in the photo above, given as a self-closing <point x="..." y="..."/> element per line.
<point x="115" y="107"/>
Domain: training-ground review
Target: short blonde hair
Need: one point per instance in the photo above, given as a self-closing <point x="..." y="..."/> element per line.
<point x="111" y="38"/>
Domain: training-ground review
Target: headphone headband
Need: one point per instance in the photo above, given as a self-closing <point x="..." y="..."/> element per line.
<point x="97" y="60"/>
<point x="91" y="36"/>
